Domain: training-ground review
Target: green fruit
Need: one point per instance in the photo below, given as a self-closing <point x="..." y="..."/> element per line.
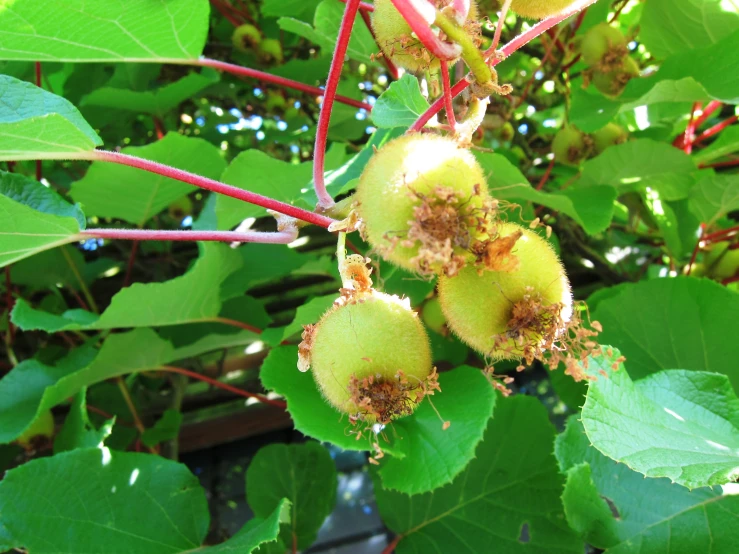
<point x="270" y="51"/>
<point x="613" y="83"/>
<point x="357" y="350"/>
<point x="609" y="135"/>
<point x="721" y="262"/>
<point x="604" y="48"/>
<point x="180" y="208"/>
<point x="42" y="428"/>
<point x="246" y="37"/>
<point x="539" y="9"/>
<point x="480" y="307"/>
<point x="397" y="41"/>
<point x="432" y="315"/>
<point x="506" y="132"/>
<point x="421" y="197"/>
<point x="275" y="102"/>
<point x="571" y="146"/>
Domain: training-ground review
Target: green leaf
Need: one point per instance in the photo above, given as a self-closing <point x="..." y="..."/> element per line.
<point x="400" y="105"/>
<point x="679" y="424"/>
<point x="122" y="192"/>
<point x="78" y="431"/>
<point x="36" y="124"/>
<point x="299" y="9"/>
<point x="427" y="456"/>
<point x="511" y="483"/>
<point x="592" y="209"/>
<point x="726" y="143"/>
<point x="99" y="31"/>
<point x="652" y="516"/>
<point x="256" y="532"/>
<point x="32" y="387"/>
<point x="670" y="26"/>
<point x="672" y="323"/>
<point x="156" y="102"/>
<point x="34" y="218"/>
<point x="193" y="297"/>
<point x="305" y="474"/>
<point x="97" y="500"/>
<point x="166" y="428"/>
<point x="255" y="171"/>
<point x="714" y="196"/>
<point x="260" y="265"/>
<point x="308" y="313"/>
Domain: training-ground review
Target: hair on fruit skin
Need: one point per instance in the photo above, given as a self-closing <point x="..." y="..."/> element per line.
<point x="539" y="9"/>
<point x="397" y="41"/>
<point x="480" y="306"/>
<point x="613" y="83"/>
<point x="604" y="48"/>
<point x="424" y="204"/>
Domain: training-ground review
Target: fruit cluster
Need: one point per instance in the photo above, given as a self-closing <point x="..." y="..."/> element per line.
<point x="571" y="146"/>
<point x="610" y="67"/>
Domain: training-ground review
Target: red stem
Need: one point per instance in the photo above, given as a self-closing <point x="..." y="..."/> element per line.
<point x="394" y="73"/>
<point x="239" y="324"/>
<point x="690" y="130"/>
<point x="530" y="82"/>
<point x="363" y="6"/>
<point x="159" y="128"/>
<point x="711" y="107"/>
<point x="722" y="235"/>
<point x="716" y="129"/>
<point x="579" y="20"/>
<point x="224" y="386"/>
<point x="730" y="163"/>
<point x="730" y="280"/>
<point x="225" y="13"/>
<point x="545" y="178"/>
<point x="280" y="237"/>
<point x="332" y="83"/>
<point x="129" y="265"/>
<point x="618" y="11"/>
<point x="447" y="86"/>
<point x="207" y="184"/>
<point x="269" y="78"/>
<point x="499" y="26"/>
<point x="390" y="548"/>
<point x="508" y="49"/>
<point x="421" y="26"/>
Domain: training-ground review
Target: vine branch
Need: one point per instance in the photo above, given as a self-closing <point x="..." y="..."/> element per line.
<point x="278" y="237"/>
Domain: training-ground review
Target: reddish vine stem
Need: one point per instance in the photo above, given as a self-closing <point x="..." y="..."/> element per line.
<point x="618" y="11"/>
<point x="274" y="79"/>
<point x="420" y="24"/>
<point x="392" y="69"/>
<point x="332" y="83"/>
<point x="225" y="13"/>
<point x="363" y="6"/>
<point x="239" y="324"/>
<point x="530" y="82"/>
<point x="711" y="107"/>
<point x="689" y="136"/>
<point x="279" y="237"/>
<point x="508" y="49"/>
<point x="204" y="183"/>
<point x="129" y="265"/>
<point x="717" y="165"/>
<point x="716" y="129"/>
<point x="448" y="101"/>
<point x="224" y="386"/>
<point x="579" y="20"/>
<point x="499" y="26"/>
<point x="132" y="408"/>
<point x="390" y="548"/>
<point x="545" y="178"/>
<point x="718" y="236"/>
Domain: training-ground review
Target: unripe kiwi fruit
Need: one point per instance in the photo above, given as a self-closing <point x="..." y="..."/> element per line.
<point x="613" y="83"/>
<point x="721" y="262"/>
<point x="604" y="47"/>
<point x="539" y="9"/>
<point x="409" y="174"/>
<point x="397" y="41"/>
<point x="41" y="429"/>
<point x="270" y="51"/>
<point x="180" y="208"/>
<point x="571" y="146"/>
<point x="479" y="306"/>
<point x="432" y="315"/>
<point x="246" y="37"/>
<point x="373" y="336"/>
<point x="609" y="135"/>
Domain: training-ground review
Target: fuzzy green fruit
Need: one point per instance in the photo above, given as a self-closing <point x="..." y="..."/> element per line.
<point x="180" y="208"/>
<point x="720" y="262"/>
<point x="42" y="428"/>
<point x="397" y="41"/>
<point x="613" y="83"/>
<point x="419" y="197"/>
<point x="609" y="135"/>
<point x="270" y="51"/>
<point x="370" y="338"/>
<point x="480" y="308"/>
<point x="246" y="38"/>
<point x="432" y="315"/>
<point x="539" y="9"/>
<point x="275" y="102"/>
<point x="571" y="146"/>
<point x="604" y="48"/>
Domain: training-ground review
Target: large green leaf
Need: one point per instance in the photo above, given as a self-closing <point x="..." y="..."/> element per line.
<point x="36" y="124"/>
<point x="419" y="454"/>
<point x="101" y="30"/>
<point x="258" y="172"/>
<point x="193" y="297"/>
<point x="400" y="105"/>
<point x="256" y="532"/>
<point x="677" y="423"/>
<point x="506" y="499"/>
<point x="308" y="313"/>
<point x="593" y="208"/>
<point x="643" y="516"/>
<point x="670" y="26"/>
<point x="714" y="196"/>
<point x="672" y="323"/>
<point x="32" y="387"/>
<point x="305" y="474"/>
<point x="122" y="192"/>
<point x="33" y="218"/>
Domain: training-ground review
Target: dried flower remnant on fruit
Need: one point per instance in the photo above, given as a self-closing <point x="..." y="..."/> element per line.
<point x="499" y="382"/>
<point x="354" y="269"/>
<point x="304" y="347"/>
<point x="497" y="254"/>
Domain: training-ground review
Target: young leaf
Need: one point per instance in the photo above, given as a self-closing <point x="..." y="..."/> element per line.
<point x="679" y="424"/>
<point x="97" y="500"/>
<point x="36" y="124"/>
<point x="256" y="532"/>
<point x="122" y="192"/>
<point x="166" y="428"/>
<point x="508" y="495"/>
<point x="99" y="31"/>
<point x="644" y="516"/>
<point x="34" y="219"/>
<point x="672" y="323"/>
<point x="78" y="431"/>
<point x="305" y="474"/>
<point x="400" y="105"/>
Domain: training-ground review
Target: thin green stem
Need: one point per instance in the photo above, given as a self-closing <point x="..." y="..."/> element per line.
<point x="471" y="54"/>
<point x="83" y="286"/>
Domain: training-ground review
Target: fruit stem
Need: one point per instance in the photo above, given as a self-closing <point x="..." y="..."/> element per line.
<point x="269" y="78"/>
<point x="446" y="84"/>
<point x="341" y="258"/>
<point x="518" y="42"/>
<point x="420" y="14"/>
<point x="207" y="184"/>
<point x="337" y="63"/>
<point x="279" y="237"/>
<point x="471" y="54"/>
